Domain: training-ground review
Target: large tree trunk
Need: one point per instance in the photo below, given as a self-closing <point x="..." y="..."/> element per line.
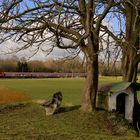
<point x="130" y="61"/>
<point x="129" y="66"/>
<point x="91" y="85"/>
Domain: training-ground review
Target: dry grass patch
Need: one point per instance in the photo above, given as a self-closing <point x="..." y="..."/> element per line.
<point x="12" y="96"/>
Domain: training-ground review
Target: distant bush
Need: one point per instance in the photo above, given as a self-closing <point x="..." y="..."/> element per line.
<point x="115" y="70"/>
<point x="8" y="65"/>
<point x="36" y="66"/>
<point x="11" y="96"/>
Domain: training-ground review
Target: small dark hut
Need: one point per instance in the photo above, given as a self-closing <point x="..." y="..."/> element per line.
<point x="118" y="97"/>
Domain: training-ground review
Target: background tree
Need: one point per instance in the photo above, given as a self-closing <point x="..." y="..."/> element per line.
<point x="36" y="66"/>
<point x="8" y="65"/>
<point x="128" y="36"/>
<point x="131" y="55"/>
<point x="22" y="66"/>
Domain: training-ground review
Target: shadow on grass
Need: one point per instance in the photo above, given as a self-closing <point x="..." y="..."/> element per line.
<point x="68" y="108"/>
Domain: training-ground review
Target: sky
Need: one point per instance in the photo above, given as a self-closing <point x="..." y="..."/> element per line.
<point x="7" y="50"/>
<point x="9" y="46"/>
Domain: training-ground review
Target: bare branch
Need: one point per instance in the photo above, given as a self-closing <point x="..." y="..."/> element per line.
<point x="102" y="16"/>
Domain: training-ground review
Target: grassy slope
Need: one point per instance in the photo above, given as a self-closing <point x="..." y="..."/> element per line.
<point x="30" y="122"/>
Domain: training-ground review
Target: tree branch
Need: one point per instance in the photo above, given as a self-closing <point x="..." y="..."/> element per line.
<point x="102" y="16"/>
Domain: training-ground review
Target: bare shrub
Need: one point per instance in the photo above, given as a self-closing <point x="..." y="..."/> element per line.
<point x="12" y="96"/>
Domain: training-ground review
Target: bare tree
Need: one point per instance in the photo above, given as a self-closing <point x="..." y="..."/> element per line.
<point x="129" y="38"/>
<point x="78" y="21"/>
<point x="131" y="51"/>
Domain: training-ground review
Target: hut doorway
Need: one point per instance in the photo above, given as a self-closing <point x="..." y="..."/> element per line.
<point x="121" y="103"/>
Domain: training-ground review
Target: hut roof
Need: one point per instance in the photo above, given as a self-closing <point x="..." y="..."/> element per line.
<point x="119" y="86"/>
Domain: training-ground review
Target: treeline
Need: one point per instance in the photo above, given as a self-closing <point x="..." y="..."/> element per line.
<point x="62" y="66"/>
<point x="50" y="65"/>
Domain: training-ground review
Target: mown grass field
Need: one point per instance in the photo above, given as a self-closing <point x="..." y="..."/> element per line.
<point x="30" y="123"/>
<point x="72" y="88"/>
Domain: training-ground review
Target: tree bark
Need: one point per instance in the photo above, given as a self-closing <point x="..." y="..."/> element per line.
<point x="129" y="66"/>
<point x="130" y="61"/>
<point x="91" y="83"/>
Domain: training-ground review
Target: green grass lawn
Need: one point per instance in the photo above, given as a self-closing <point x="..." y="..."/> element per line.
<point x="44" y="88"/>
<point x="72" y="89"/>
<point x="30" y="123"/>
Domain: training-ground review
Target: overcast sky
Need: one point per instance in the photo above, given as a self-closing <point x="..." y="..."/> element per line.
<point x="8" y="50"/>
